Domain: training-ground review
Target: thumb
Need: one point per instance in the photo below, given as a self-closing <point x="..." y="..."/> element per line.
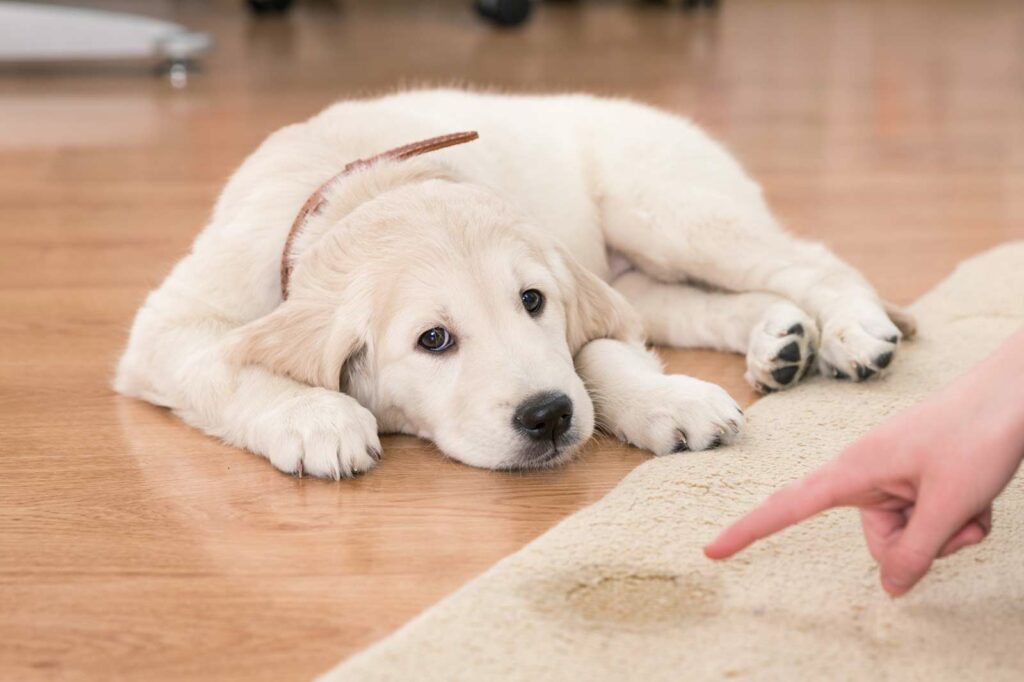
<point x="906" y="560"/>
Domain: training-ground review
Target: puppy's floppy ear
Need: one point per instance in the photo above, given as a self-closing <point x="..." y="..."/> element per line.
<point x="304" y="341"/>
<point x="593" y="309"/>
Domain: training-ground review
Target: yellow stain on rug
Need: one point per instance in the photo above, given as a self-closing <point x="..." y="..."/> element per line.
<point x="620" y="598"/>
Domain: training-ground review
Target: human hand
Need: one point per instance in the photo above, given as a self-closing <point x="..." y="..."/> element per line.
<point x="924" y="480"/>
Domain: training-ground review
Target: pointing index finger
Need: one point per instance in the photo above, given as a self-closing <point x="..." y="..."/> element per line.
<point x="799" y="500"/>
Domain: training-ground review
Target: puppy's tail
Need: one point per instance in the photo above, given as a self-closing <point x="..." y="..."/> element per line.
<point x="903" y="320"/>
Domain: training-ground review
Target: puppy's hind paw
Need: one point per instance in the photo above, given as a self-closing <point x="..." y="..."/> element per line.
<point x="858" y="345"/>
<point x="782" y="348"/>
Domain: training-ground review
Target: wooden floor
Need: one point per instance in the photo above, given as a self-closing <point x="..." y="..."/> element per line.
<point x="134" y="547"/>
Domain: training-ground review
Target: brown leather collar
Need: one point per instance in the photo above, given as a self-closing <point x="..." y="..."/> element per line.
<point x="317" y="200"/>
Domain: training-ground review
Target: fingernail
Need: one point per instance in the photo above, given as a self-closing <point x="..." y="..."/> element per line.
<point x="893" y="587"/>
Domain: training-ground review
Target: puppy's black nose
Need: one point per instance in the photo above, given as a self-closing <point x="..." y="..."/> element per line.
<point x="544" y="416"/>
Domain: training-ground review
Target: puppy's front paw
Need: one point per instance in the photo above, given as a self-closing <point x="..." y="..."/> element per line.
<point x="857" y="343"/>
<point x="679" y="413"/>
<point x="319" y="433"/>
<point x="782" y="348"/>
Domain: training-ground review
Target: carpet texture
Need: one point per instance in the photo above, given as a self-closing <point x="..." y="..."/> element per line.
<point x="621" y="589"/>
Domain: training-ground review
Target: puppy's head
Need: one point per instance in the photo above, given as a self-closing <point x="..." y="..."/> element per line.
<point x="441" y="310"/>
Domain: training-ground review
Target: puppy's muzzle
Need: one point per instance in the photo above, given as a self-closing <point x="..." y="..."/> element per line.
<point x="544" y="417"/>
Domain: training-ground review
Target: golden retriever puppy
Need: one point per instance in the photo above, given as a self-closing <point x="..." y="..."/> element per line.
<point x="493" y="297"/>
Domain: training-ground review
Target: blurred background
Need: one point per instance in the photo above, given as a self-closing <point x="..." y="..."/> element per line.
<point x="132" y="546"/>
<point x="830" y="103"/>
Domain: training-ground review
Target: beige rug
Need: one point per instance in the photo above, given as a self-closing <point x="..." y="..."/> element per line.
<point x="622" y="591"/>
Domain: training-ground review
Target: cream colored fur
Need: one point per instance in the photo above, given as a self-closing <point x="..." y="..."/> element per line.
<point x="628" y="220"/>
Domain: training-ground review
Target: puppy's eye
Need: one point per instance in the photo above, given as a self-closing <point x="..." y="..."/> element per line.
<point x="436" y="340"/>
<point x="533" y="301"/>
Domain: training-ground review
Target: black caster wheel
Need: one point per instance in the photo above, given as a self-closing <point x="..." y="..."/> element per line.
<point x="504" y="12"/>
<point x="269" y="6"/>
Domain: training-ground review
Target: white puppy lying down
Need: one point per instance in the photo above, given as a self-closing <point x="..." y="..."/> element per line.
<point x="492" y="297"/>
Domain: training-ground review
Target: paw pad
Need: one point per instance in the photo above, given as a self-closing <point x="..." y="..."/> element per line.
<point x="784" y="375"/>
<point x="782" y="348"/>
<point x="864" y="372"/>
<point x="790" y="353"/>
